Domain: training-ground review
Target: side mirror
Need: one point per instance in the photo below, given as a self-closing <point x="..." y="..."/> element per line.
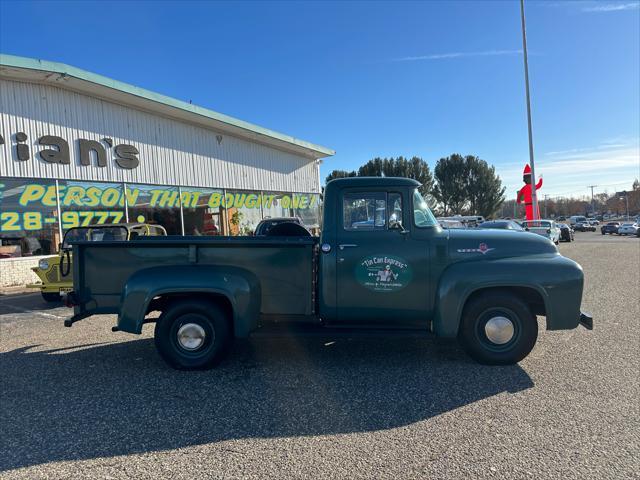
<point x="526" y="228"/>
<point x="396" y="225"/>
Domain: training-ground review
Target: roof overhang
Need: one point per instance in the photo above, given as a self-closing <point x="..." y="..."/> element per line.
<point x="72" y="78"/>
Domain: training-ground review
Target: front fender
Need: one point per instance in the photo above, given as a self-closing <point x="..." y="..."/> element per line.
<point x="557" y="279"/>
<point x="237" y="285"/>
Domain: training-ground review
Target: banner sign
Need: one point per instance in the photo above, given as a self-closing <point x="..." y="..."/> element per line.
<point x="34" y="205"/>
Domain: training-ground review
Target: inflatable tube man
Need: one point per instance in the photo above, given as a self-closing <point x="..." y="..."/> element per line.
<point x="524" y="195"/>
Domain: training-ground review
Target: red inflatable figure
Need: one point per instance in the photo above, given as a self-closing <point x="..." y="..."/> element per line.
<point x="524" y="195"/>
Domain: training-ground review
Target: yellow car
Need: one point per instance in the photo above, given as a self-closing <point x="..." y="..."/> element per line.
<point x="56" y="273"/>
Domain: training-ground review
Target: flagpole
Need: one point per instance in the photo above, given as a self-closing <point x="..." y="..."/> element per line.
<point x="534" y="196"/>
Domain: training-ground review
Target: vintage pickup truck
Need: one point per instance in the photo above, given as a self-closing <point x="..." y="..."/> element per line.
<point x="382" y="262"/>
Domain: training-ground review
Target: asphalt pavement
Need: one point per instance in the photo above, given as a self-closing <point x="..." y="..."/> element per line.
<point x="84" y="402"/>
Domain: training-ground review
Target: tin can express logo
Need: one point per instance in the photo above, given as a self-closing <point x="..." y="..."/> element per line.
<point x="383" y="273"/>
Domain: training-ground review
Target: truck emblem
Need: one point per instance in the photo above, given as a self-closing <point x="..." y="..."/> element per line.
<point x="383" y="273"/>
<point x="482" y="248"/>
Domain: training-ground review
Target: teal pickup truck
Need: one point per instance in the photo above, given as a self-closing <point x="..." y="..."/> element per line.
<point x="382" y="262"/>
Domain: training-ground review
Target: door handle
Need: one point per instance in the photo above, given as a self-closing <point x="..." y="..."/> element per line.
<point x="342" y="246"/>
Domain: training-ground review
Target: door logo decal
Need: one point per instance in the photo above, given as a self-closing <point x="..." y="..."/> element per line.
<point x="383" y="273"/>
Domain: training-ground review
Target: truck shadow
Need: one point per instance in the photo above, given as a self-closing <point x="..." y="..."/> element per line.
<point x="120" y="398"/>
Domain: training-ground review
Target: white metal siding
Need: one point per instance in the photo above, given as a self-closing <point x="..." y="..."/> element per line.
<point x="171" y="152"/>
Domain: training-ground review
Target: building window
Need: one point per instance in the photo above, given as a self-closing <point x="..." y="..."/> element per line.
<point x="275" y="205"/>
<point x="203" y="211"/>
<point x="244" y="210"/>
<point x="155" y="204"/>
<point x="90" y="203"/>
<point x="306" y="206"/>
<point x="28" y="217"/>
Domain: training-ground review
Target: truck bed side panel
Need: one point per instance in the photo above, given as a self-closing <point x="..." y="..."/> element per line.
<point x="283" y="268"/>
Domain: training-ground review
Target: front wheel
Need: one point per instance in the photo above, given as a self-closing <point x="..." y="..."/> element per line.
<point x="498" y="329"/>
<point x="193" y="335"/>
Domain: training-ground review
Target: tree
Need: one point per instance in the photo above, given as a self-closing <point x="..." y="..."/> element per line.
<point x="451" y="177"/>
<point x="468" y="185"/>
<point x="339" y="174"/>
<point x="484" y="189"/>
<point x="415" y="168"/>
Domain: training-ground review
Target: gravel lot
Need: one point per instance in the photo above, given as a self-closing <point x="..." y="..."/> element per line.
<point x="87" y="403"/>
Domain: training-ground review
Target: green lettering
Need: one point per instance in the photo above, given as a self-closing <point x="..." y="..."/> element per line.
<point x="93" y="197"/>
<point x="215" y="200"/>
<point x="154" y="197"/>
<point x="73" y="196"/>
<point x="110" y="197"/>
<point x="31" y="193"/>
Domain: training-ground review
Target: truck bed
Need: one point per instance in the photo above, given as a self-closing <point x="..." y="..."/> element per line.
<point x="284" y="267"/>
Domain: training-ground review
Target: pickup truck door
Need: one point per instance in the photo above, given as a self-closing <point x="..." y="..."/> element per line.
<point x="382" y="271"/>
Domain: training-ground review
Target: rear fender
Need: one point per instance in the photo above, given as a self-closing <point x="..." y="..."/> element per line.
<point x="240" y="287"/>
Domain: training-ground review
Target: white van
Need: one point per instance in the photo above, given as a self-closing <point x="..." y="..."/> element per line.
<point x="577" y="219"/>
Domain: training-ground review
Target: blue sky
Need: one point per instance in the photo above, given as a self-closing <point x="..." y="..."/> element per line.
<point x="379" y="79"/>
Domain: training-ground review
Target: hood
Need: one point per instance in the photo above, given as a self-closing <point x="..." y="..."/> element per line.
<point x="479" y="243"/>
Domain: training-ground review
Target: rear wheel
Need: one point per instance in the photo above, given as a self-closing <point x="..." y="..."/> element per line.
<point x="51" y="297"/>
<point x="498" y="328"/>
<point x="193" y="334"/>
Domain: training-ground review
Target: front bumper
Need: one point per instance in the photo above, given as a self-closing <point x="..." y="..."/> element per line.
<point x="586" y="320"/>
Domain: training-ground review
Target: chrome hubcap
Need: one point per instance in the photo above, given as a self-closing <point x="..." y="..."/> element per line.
<point x="499" y="330"/>
<point x="191" y="336"/>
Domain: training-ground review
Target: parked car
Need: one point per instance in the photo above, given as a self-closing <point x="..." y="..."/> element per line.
<point x="577" y="219"/>
<point x="584" y="227"/>
<point x="503" y="225"/>
<point x="610" y="228"/>
<point x="448" y="223"/>
<point x="628" y="229"/>
<point x="56" y="271"/>
<point x="268" y="223"/>
<point x="561" y="219"/>
<point x="546" y="228"/>
<point x="566" y="232"/>
<point x="594" y="222"/>
<point x="477" y="285"/>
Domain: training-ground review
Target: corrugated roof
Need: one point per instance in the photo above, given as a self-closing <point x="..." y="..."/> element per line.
<point x="12" y="66"/>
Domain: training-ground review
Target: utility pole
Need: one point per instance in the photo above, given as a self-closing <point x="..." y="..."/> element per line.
<point x="534" y="196"/>
<point x="593" y="205"/>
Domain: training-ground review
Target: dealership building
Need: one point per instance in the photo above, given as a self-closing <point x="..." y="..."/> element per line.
<point x="78" y="149"/>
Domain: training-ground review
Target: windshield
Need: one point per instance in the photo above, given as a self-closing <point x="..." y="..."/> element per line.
<point x="94" y="234"/>
<point x="422" y="216"/>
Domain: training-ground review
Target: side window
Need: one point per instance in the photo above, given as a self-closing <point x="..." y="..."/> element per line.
<point x="395" y="210"/>
<point x="364" y="211"/>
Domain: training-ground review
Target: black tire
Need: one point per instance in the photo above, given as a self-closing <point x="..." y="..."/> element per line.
<point x="51" y="297"/>
<point x="472" y="334"/>
<point x="207" y="315"/>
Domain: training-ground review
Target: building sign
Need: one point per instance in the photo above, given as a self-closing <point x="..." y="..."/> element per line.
<point x="57" y="151"/>
<point x="34" y="205"/>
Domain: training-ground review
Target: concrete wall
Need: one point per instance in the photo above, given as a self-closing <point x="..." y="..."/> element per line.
<point x="17" y="271"/>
